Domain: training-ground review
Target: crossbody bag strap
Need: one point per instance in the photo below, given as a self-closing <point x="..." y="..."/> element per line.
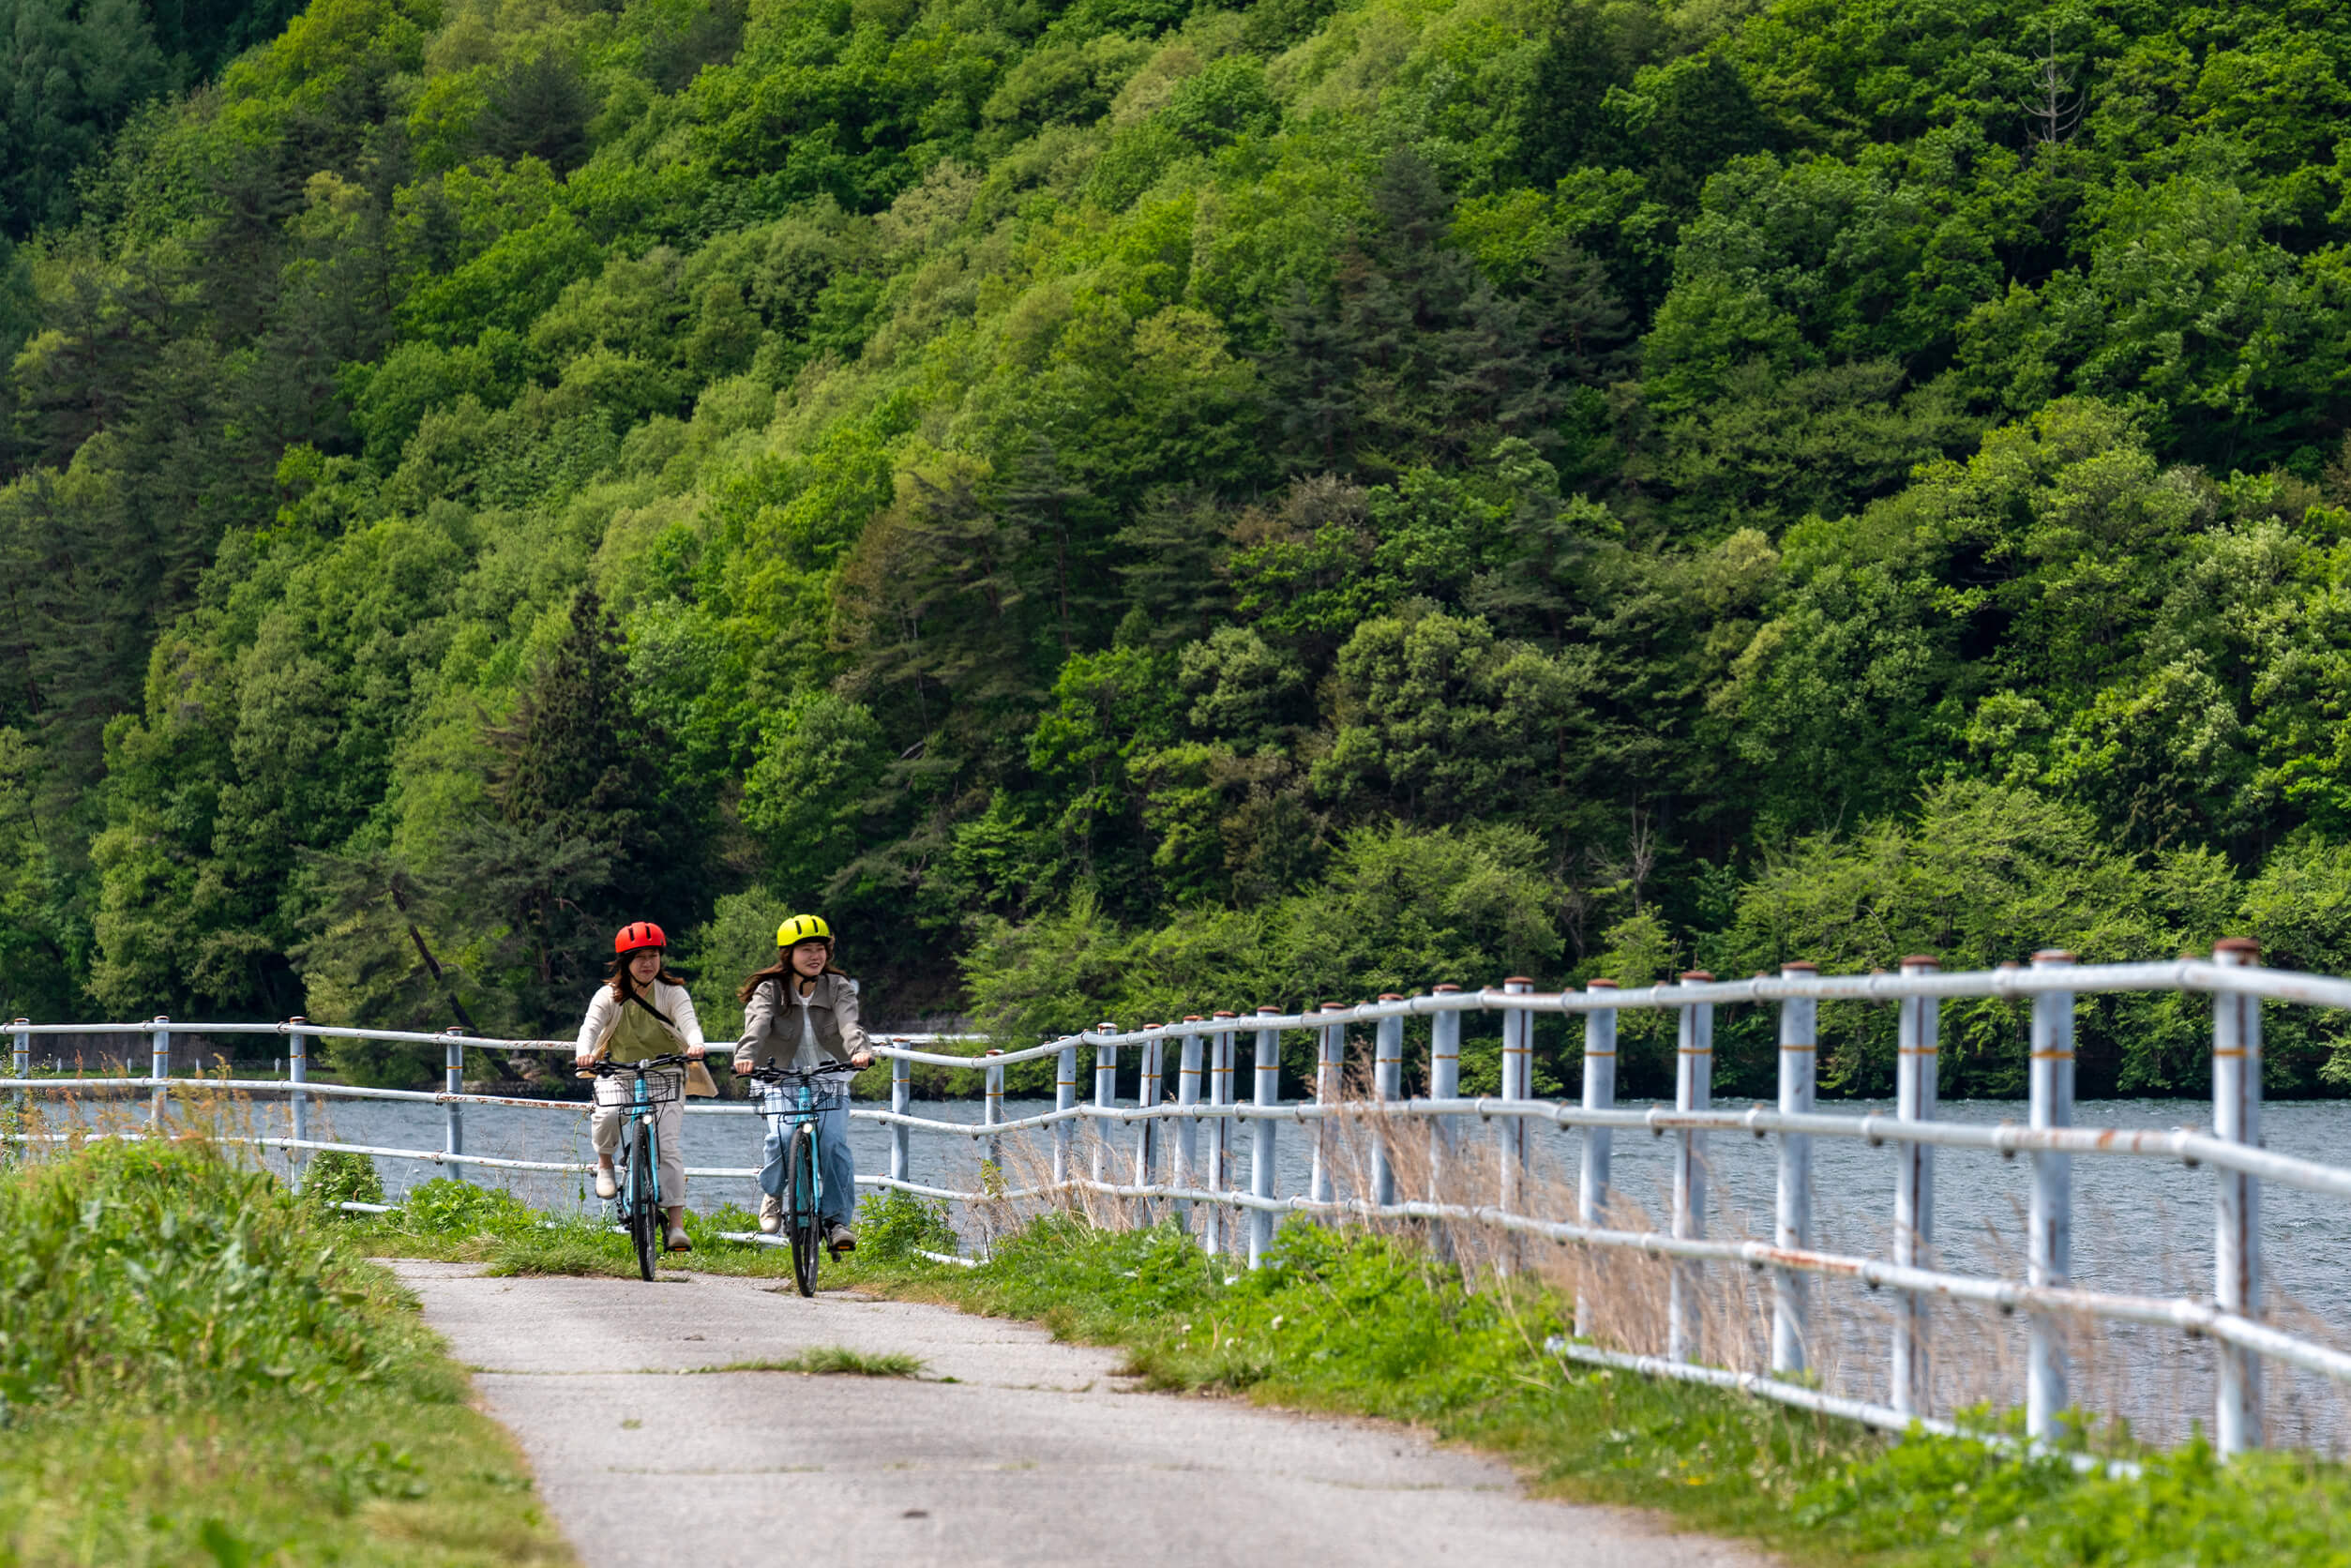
<point x="654" y="1011"/>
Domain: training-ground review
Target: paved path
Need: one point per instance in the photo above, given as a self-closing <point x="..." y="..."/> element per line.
<point x="1033" y="1452"/>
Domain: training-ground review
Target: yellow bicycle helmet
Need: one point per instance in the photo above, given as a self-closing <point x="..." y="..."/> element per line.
<point x="803" y="927"/>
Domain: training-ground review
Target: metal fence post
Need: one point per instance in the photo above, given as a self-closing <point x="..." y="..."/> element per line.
<point x="1387" y="1085"/>
<point x="1791" y="1289"/>
<point x="2237" y="1244"/>
<point x="1105" y="1089"/>
<point x="1219" y="1229"/>
<point x="23" y="1098"/>
<point x="1693" y="1090"/>
<point x="160" y="1066"/>
<point x="1188" y="1149"/>
<point x="1600" y="1093"/>
<point x="1065" y="1101"/>
<point x="1444" y="1084"/>
<point x="1511" y="1135"/>
<point x="1147" y="1097"/>
<point x="1330" y="1051"/>
<point x="992" y="1114"/>
<point x="297" y="1103"/>
<point x="453" y="1055"/>
<point x="2049" y="1235"/>
<point x="1268" y="1094"/>
<point x="1916" y="1064"/>
<point x="901" y="1135"/>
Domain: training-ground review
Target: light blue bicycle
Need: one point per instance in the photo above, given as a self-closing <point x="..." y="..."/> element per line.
<point x="792" y="1101"/>
<point x="637" y="1207"/>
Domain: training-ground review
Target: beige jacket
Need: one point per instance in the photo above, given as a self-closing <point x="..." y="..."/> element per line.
<point x="770" y="1026"/>
<point x="604" y="1019"/>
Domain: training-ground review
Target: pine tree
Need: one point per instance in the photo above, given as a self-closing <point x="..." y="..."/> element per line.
<point x="1042" y="504"/>
<point x="1172" y="555"/>
<point x="1311" y="379"/>
<point x="589" y="831"/>
<point x="1582" y="322"/>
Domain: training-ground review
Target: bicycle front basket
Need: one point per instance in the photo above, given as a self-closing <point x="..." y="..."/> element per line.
<point x="783" y="1099"/>
<point x="662" y="1085"/>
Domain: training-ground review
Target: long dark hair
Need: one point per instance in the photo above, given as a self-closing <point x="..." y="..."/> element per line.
<point x="625" y="983"/>
<point x="781" y="971"/>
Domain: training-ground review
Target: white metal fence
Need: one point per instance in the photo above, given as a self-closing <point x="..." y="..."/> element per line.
<point x="1205" y="1118"/>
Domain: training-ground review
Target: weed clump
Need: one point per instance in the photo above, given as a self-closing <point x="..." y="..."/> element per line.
<point x="833" y="1360"/>
<point x="441" y="1207"/>
<point x="336" y="1177"/>
<point x="893" y="1225"/>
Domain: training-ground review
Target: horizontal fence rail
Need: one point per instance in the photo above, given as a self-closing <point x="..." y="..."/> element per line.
<point x="1181" y="1150"/>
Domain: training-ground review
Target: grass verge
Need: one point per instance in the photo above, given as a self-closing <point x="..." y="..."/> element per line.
<point x="1360" y="1324"/>
<point x="195" y="1370"/>
<point x="1357" y="1324"/>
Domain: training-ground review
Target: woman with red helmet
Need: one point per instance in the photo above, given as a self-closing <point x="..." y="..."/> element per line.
<point x="643" y="1012"/>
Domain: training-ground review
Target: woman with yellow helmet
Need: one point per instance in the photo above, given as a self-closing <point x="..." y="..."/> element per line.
<point x="801" y="1013"/>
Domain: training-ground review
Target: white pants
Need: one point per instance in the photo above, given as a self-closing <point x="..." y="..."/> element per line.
<point x="614" y="1097"/>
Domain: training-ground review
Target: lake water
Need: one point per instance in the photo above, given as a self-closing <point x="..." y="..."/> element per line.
<point x="2140" y="1225"/>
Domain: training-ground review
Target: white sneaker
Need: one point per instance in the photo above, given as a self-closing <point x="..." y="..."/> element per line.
<point x="770" y="1213"/>
<point x="606" y="1185"/>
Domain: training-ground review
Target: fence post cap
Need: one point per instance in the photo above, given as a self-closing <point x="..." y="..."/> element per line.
<point x="1517" y="980"/>
<point x="1276" y="1011"/>
<point x="994" y="1050"/>
<point x="1696" y="978"/>
<point x="1334" y="1007"/>
<point x="2053" y="956"/>
<point x="1919" y="960"/>
<point x="1112" y="1027"/>
<point x="1800" y="966"/>
<point x="1392" y="996"/>
<point x="2244" y="948"/>
<point x="1444" y="986"/>
<point x="2008" y="963"/>
<point x="1221" y="1013"/>
<point x="1603" y="983"/>
<point x="22" y="1020"/>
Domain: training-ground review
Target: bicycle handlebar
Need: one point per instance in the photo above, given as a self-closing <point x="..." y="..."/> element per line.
<point x="607" y="1068"/>
<point x="795" y="1075"/>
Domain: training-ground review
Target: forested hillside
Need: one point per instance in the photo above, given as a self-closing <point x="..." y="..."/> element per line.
<point x="1130" y="507"/>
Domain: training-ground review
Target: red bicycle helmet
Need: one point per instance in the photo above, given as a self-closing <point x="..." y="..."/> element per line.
<point x="637" y="934"/>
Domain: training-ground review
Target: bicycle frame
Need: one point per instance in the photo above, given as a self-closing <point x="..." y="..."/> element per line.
<point x="802" y="1111"/>
<point x="640" y="1111"/>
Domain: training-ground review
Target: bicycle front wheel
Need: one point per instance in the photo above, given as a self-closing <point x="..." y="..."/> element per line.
<point x="800" y="1207"/>
<point x="644" y="1207"/>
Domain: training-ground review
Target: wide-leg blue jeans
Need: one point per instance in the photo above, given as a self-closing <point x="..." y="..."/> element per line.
<point x="836" y="1167"/>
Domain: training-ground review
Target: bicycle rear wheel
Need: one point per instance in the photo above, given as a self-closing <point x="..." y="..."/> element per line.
<point x="644" y="1210"/>
<point x="800" y="1207"/>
